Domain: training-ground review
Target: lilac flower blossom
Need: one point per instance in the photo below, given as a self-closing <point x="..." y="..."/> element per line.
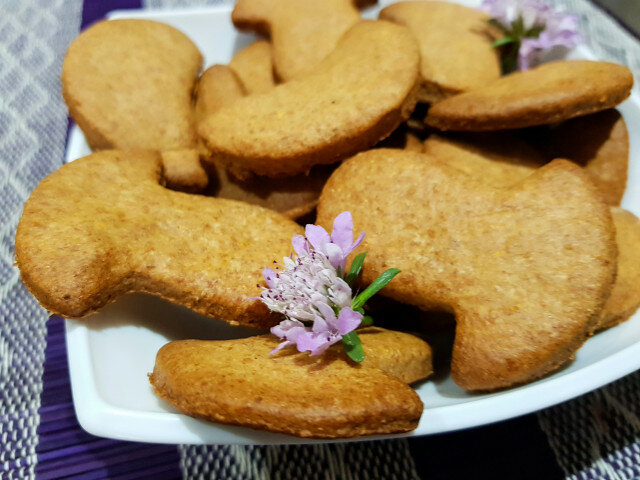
<point x="534" y="25"/>
<point x="310" y="289"/>
<point x="336" y="247"/>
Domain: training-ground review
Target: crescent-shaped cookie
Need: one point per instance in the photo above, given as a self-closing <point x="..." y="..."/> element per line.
<point x="358" y="95"/>
<point x="550" y="93"/>
<point x="239" y="382"/>
<point x="294" y="196"/>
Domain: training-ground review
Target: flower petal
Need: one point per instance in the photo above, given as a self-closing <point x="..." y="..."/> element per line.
<point x="355" y="245"/>
<point x="269" y="275"/>
<point x="282" y="345"/>
<point x="336" y="256"/>
<point x="316" y="343"/>
<point x="319" y="325"/>
<point x="340" y="293"/>
<point x="300" y="245"/>
<point x="342" y="234"/>
<point x="287" y="328"/>
<point x="317" y="237"/>
<point x="348" y="320"/>
<point x="327" y="313"/>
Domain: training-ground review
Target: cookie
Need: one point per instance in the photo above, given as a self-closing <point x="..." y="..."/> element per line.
<point x="128" y="85"/>
<point x="254" y="67"/>
<point x="599" y="143"/>
<point x="218" y="86"/>
<point x="455" y="46"/>
<point x="550" y="93"/>
<point x="239" y="382"/>
<point x="302" y="32"/>
<point x="77" y="252"/>
<point x="525" y="269"/>
<point x="294" y="197"/>
<point x="625" y="296"/>
<point x="355" y="97"/>
<point x="178" y="170"/>
<point x="498" y="159"/>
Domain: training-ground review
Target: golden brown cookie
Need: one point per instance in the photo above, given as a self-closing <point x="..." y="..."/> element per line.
<point x="552" y="92"/>
<point x="497" y="159"/>
<point x="625" y="296"/>
<point x="128" y="85"/>
<point x="525" y="269"/>
<point x="254" y="67"/>
<point x="239" y="382"/>
<point x="302" y="32"/>
<point x="77" y="251"/>
<point x="294" y="197"/>
<point x="178" y="170"/>
<point x="358" y="95"/>
<point x="455" y="46"/>
<point x="599" y="143"/>
<point x="218" y="86"/>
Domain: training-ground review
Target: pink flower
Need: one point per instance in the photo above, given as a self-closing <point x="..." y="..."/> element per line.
<point x="336" y="247"/>
<point x="327" y="329"/>
<point x="309" y="288"/>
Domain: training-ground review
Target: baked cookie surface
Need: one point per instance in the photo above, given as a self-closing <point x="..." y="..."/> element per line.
<point x="239" y="382"/>
<point x="552" y="92"/>
<point x="625" y="296"/>
<point x="358" y="95"/>
<point x="455" y="46"/>
<point x="128" y="85"/>
<point x="254" y="67"/>
<point x="525" y="269"/>
<point x="302" y="32"/>
<point x="103" y="226"/>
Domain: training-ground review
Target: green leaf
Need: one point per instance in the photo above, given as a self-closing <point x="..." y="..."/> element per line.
<point x="366" y="321"/>
<point x="356" y="268"/>
<point x="339" y="271"/>
<point x="503" y="41"/>
<point x="353" y="346"/>
<point x="377" y="285"/>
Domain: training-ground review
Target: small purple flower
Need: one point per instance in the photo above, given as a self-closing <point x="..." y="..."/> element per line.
<point x="336" y="247"/>
<point x="309" y="289"/>
<point x="534" y="25"/>
<point x="327" y="329"/>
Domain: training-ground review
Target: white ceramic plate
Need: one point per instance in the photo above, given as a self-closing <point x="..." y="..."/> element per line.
<point x="111" y="353"/>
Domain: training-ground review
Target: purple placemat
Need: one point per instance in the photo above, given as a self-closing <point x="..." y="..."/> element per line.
<point x="66" y="451"/>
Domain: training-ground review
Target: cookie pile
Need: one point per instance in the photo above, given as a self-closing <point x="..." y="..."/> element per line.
<point x="499" y="202"/>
